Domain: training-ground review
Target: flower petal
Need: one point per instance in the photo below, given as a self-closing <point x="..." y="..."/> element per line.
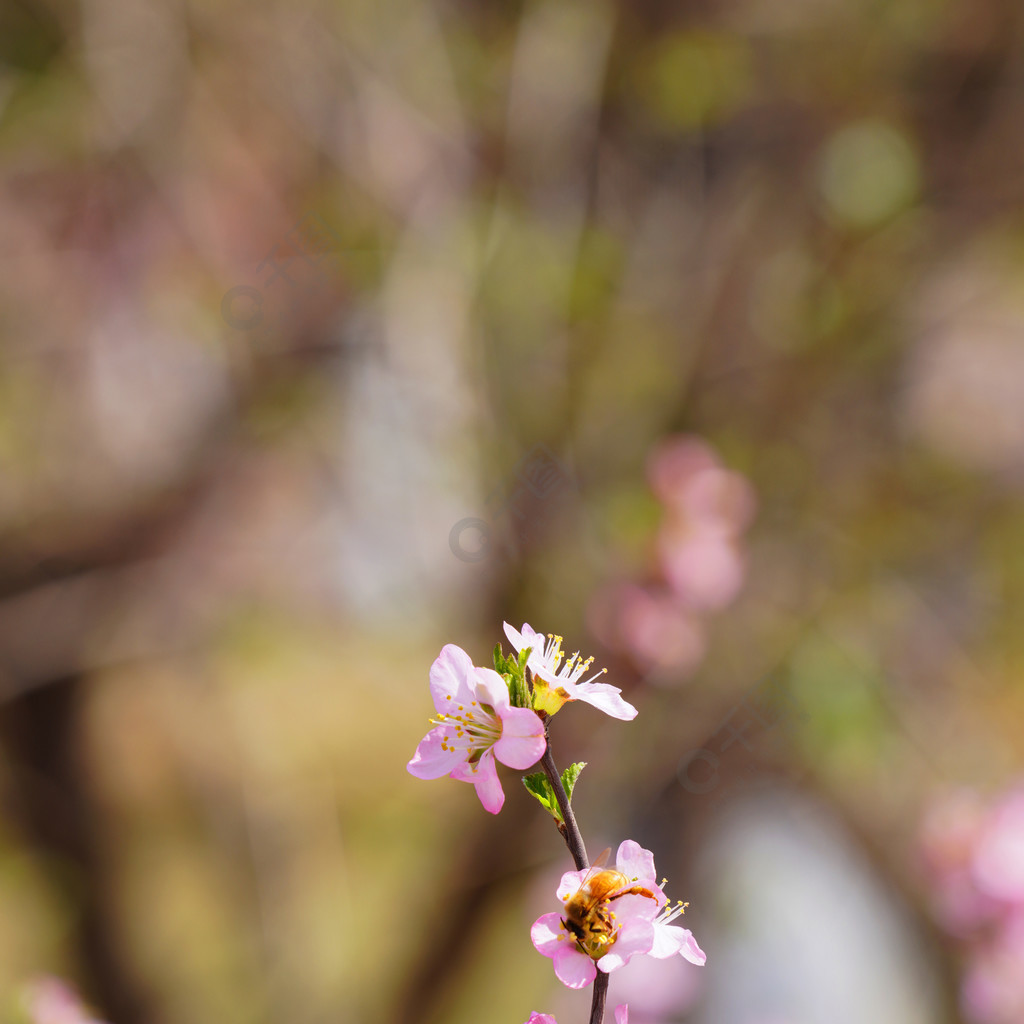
<point x="621" y="1014"/>
<point x="633" y="938"/>
<point x="484" y="776"/>
<point x="431" y="761"/>
<point x="522" y="740"/>
<point x="670" y="939"/>
<point x="631" y="908"/>
<point x="526" y="637"/>
<point x="691" y="951"/>
<point x="548" y="934"/>
<point x="635" y="862"/>
<point x="604" y="697"/>
<point x="490" y="688"/>
<point x="573" y="968"/>
<point x="450" y="676"/>
<point x="570" y="883"/>
<point x="515" y="638"/>
<point x="541" y="1018"/>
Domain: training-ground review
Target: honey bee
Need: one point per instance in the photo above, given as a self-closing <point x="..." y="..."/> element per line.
<point x="589" y="917"/>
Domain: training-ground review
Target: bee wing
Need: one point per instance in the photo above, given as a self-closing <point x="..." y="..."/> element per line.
<point x="595" y="868"/>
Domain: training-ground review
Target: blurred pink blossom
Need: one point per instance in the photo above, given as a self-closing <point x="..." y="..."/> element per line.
<point x="707" y="507"/>
<point x="705" y="570"/>
<point x="50" y="1001"/>
<point x="993" y="988"/>
<point x="689" y="479"/>
<point x="973" y="855"/>
<point x="659" y="630"/>
<point x="674" y="462"/>
<point x="700" y="562"/>
<point x="999" y="853"/>
<point x="657" y="991"/>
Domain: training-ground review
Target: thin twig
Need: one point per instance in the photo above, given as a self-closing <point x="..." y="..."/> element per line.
<point x="571" y="832"/>
<point x="600" y="992"/>
<point x="574" y="840"/>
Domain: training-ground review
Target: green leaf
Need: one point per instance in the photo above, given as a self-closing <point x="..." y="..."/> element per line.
<point x="524" y="656"/>
<point x="570" y="775"/>
<point x="515" y="677"/>
<point x="537" y="785"/>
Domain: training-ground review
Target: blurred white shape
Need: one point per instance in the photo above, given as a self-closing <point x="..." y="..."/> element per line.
<point x="965" y="375"/>
<point x="967" y="394"/>
<point x="409" y="435"/>
<point x="798" y="926"/>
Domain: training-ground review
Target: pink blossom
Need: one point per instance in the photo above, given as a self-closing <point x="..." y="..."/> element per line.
<point x="706" y="570"/>
<point x="700" y="559"/>
<point x="50" y="1001"/>
<point x="475" y="724"/>
<point x="623" y="924"/>
<point x="950" y="833"/>
<point x="545" y="663"/>
<point x="660" y="631"/>
<point x="973" y="855"/>
<point x="958" y="904"/>
<point x="673" y="463"/>
<point x="622" y="1014"/>
<point x="707" y="508"/>
<point x="541" y="1018"/>
<point x="998" y="864"/>
<point x="993" y="988"/>
<point x="690" y="480"/>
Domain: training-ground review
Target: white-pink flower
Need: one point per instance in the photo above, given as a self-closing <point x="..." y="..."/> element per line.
<point x="475" y="724"/>
<point x="606" y="920"/>
<point x="545" y="662"/>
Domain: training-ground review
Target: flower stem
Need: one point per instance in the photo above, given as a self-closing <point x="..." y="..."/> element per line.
<point x="571" y="831"/>
<point x="600" y="992"/>
<point x="574" y="840"/>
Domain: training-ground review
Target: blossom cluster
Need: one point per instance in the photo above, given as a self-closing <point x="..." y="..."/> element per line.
<point x="633" y="918"/>
<point x="701" y="567"/>
<point x="608" y="915"/>
<point x="475" y="723"/>
<point x="973" y="853"/>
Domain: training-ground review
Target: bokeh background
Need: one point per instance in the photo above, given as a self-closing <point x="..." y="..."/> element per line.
<point x="332" y="332"/>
